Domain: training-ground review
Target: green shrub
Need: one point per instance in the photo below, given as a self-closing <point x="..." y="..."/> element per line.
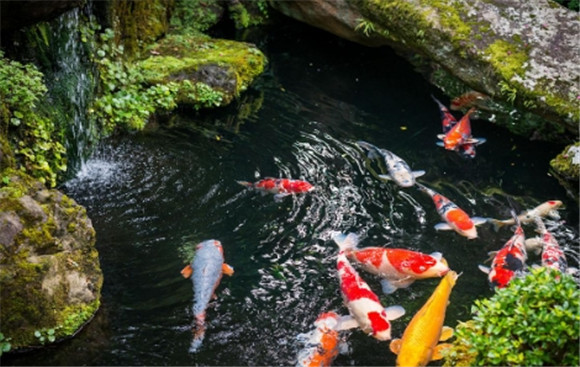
<point x="532" y="322"/>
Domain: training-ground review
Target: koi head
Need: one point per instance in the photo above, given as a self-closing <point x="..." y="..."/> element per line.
<point x="380" y="325"/>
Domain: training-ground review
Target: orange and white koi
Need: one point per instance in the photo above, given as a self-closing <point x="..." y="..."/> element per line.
<point x="459" y="134"/>
<point x="467" y="100"/>
<point x="280" y="187"/>
<point x="399" y="170"/>
<point x="418" y="346"/>
<point x="363" y="304"/>
<point x="399" y="268"/>
<point x="321" y="344"/>
<point x="455" y="218"/>
<point x="548" y="208"/>
<point x="206" y="271"/>
<point x="509" y="261"/>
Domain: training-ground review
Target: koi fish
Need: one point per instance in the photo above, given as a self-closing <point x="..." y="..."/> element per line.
<point x="322" y="343"/>
<point x="467" y="100"/>
<point x="447" y="122"/>
<point x="280" y="187"/>
<point x="459" y="134"/>
<point x="363" y="304"/>
<point x="549" y="208"/>
<point x="552" y="254"/>
<point x="455" y="218"/>
<point x="418" y="346"/>
<point x="534" y="244"/>
<point x="509" y="260"/>
<point x="399" y="170"/>
<point x="205" y="271"/>
<point x="399" y="268"/>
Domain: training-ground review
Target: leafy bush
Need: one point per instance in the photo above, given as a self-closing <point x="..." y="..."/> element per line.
<point x="35" y="139"/>
<point x="125" y="100"/>
<point x="532" y="322"/>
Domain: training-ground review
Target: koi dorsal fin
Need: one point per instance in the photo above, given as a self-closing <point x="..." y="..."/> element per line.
<point x="227" y="270"/>
<point x="446" y="333"/>
<point x="187" y="271"/>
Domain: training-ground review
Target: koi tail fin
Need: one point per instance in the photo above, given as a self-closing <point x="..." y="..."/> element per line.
<point x="245" y="183"/>
<point x="346" y="241"/>
<point x="198" y="331"/>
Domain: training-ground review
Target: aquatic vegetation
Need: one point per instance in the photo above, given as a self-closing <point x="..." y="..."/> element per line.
<point x="5" y="345"/>
<point x="195" y="15"/>
<point x="534" y="321"/>
<point x="248" y="13"/>
<point x="37" y="143"/>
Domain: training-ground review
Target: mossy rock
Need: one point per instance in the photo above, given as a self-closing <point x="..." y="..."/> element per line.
<point x="49" y="268"/>
<point x="567" y="163"/>
<point x="208" y="71"/>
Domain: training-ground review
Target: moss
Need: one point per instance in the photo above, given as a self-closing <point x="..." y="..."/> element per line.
<point x="227" y="67"/>
<point x="140" y="23"/>
<point x="506" y="58"/>
<point x="564" y="164"/>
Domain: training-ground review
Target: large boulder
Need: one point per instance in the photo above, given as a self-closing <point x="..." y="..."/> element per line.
<point x="525" y="54"/>
<point x="17" y="14"/>
<point x="49" y="267"/>
<point x="209" y="72"/>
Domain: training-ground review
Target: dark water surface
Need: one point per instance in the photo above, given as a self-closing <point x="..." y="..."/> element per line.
<point x="152" y="196"/>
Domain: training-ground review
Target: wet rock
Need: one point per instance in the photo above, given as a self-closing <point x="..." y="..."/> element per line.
<point x="49" y="267"/>
<point x="567" y="163"/>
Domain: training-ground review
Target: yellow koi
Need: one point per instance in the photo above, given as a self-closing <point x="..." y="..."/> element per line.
<point x="418" y="345"/>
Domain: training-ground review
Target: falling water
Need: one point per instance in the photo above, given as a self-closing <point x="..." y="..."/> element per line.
<point x="73" y="84"/>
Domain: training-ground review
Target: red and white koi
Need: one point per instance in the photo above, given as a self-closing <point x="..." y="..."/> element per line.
<point x="399" y="170"/>
<point x="205" y="271"/>
<point x="321" y="344"/>
<point x="362" y="303"/>
<point x="509" y="261"/>
<point x="548" y="208"/>
<point x="455" y="218"/>
<point x="399" y="268"/>
<point x="280" y="187"/>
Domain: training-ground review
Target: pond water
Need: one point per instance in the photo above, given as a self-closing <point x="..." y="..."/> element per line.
<point x="152" y="196"/>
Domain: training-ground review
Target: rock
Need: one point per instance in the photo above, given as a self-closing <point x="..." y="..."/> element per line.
<point x="49" y="267"/>
<point x="524" y="54"/>
<point x="339" y="17"/>
<point x="208" y="72"/>
<point x="22" y="13"/>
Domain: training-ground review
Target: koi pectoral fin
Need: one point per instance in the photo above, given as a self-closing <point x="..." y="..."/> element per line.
<point x="278" y="197"/>
<point x="478" y="220"/>
<point x="440" y="144"/>
<point x="227" y="270"/>
<point x="485" y="269"/>
<point x="395" y="346"/>
<point x="446" y="333"/>
<point x="385" y="177"/>
<point x="441" y="136"/>
<point x="346" y="322"/>
<point x="442" y="227"/>
<point x="187" y="271"/>
<point x="437" y="355"/>
<point x="418" y="173"/>
<point x="394" y="312"/>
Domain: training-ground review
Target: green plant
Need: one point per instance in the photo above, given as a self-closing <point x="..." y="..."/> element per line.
<point x="532" y="322"/>
<point x="5" y="345"/>
<point x="508" y="91"/>
<point x="366" y="26"/>
<point x="45" y="335"/>
<point x="35" y="138"/>
<point x="126" y="101"/>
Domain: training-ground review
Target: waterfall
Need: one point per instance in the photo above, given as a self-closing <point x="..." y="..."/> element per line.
<point x="72" y="85"/>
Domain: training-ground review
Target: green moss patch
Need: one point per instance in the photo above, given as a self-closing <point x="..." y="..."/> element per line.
<point x="226" y="67"/>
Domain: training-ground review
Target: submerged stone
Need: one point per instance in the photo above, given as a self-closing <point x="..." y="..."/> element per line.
<point x="209" y="72"/>
<point x="49" y="267"/>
